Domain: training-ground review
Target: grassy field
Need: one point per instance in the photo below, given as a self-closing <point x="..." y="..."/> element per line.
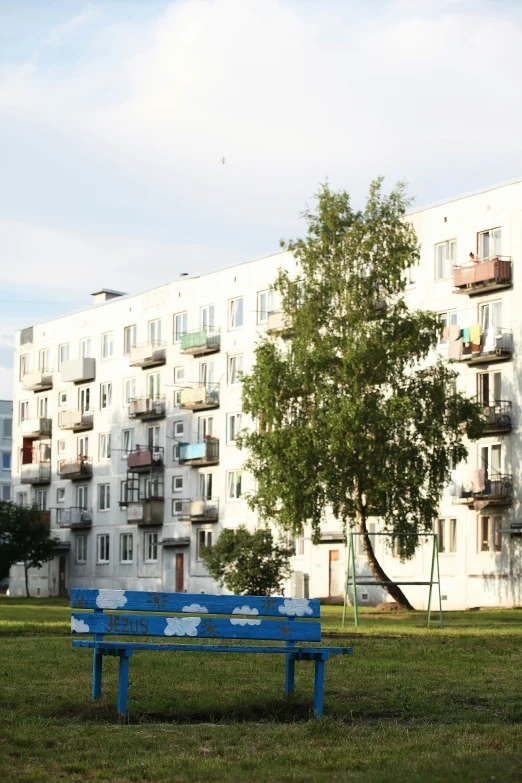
<point x="411" y="703"/>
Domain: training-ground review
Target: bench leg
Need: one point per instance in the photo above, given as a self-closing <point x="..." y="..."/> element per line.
<point x="319" y="688"/>
<point x="289" y="675"/>
<point x="97" y="662"/>
<point x="123" y="683"/>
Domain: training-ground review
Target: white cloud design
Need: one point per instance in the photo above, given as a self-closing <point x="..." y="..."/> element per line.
<point x="111" y="599"/>
<point x="296" y="607"/>
<point x="197" y="608"/>
<point x="182" y="626"/>
<point x="79" y="626"/>
<point x="245" y="610"/>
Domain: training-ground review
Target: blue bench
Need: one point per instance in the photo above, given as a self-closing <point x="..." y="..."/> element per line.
<point x="250" y="618"/>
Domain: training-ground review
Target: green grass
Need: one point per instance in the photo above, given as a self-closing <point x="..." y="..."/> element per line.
<point x="411" y="703"/>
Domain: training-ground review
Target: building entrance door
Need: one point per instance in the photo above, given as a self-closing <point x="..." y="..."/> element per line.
<point x="180" y="581"/>
<point x="334" y="575"/>
<point x="62" y="584"/>
<point x="173" y="571"/>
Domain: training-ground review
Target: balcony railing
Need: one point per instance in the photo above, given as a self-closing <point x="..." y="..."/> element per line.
<point x="76" y="469"/>
<point x="498" y="490"/>
<point x="145" y="458"/>
<point x="498" y="417"/>
<point x="148" y="355"/>
<point x="36" y="473"/>
<point x="200" y="397"/>
<point x="38" y="380"/>
<point x="278" y="323"/>
<point x="200" y="341"/>
<point x="200" y="509"/>
<point x="496" y="344"/>
<point x="38" y="427"/>
<point x="483" y="276"/>
<point x="79" y="370"/>
<point x="205" y="452"/>
<point x="147" y="408"/>
<point x="76" y="420"/>
<point x="74" y="517"/>
<point x="146" y="512"/>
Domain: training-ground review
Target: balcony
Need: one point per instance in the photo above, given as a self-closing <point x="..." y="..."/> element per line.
<point x="200" y="509"/>
<point x="79" y="370"/>
<point x="76" y="518"/>
<point x="38" y="380"/>
<point x="201" y="341"/>
<point x="498" y="417"/>
<point x="145" y="512"/>
<point x="38" y="427"/>
<point x="145" y="459"/>
<point x="77" y="469"/>
<point x="278" y="323"/>
<point x="484" y="276"/>
<point x="36" y="473"/>
<point x="496" y="345"/>
<point x="45" y="519"/>
<point x="76" y="420"/>
<point x="147" y="408"/>
<point x="200" y="397"/>
<point x="205" y="452"/>
<point x="148" y="355"/>
<point x="498" y="491"/>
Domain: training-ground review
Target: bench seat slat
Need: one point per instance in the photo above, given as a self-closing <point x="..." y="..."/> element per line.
<point x="297" y="651"/>
<point x="136" y="601"/>
<point x="201" y="627"/>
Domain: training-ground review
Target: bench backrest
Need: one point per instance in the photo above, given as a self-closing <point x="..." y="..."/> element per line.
<point x="137" y="613"/>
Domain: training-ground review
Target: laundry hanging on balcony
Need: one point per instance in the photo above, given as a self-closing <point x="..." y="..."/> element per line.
<point x="454" y="343"/>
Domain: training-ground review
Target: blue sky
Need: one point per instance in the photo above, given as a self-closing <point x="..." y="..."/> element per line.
<point x="114" y="117"/>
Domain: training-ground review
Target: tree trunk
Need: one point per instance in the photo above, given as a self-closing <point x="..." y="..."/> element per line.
<point x="378" y="573"/>
<point x="26" y="570"/>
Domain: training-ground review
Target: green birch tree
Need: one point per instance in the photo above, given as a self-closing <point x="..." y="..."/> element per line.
<point x="357" y="418"/>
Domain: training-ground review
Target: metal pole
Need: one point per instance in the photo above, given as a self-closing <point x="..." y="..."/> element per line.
<point x="438" y="577"/>
<point x="346" y="580"/>
<point x="431" y="578"/>
<point x="354" y="584"/>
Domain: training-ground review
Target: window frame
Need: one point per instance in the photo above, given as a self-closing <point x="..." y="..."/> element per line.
<point x="183" y="314"/>
<point x="151" y="544"/>
<point x="125" y="549"/>
<point x="233" y="309"/>
<point x="104" y="497"/>
<point x="231" y="437"/>
<point x="62" y="361"/>
<point x="107" y="340"/>
<point x="78" y="559"/>
<point x="232" y="482"/>
<point x="237" y="371"/>
<point x="204" y="533"/>
<point x="103" y="547"/>
<point x="107" y="394"/>
<point x="450" y="259"/>
<point x="130" y="343"/>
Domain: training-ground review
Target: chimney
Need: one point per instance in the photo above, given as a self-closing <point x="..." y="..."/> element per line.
<point x="104" y="294"/>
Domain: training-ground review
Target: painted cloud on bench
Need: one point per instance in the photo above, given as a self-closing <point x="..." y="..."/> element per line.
<point x="297" y="607"/>
<point x="79" y="626"/>
<point x="243" y="620"/>
<point x="182" y="626"/>
<point x="196" y="608"/>
<point x="111" y="599"/>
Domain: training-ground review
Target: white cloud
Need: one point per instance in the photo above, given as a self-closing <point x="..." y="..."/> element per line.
<point x="197" y="608"/>
<point x="111" y="599"/>
<point x="296" y="607"/>
<point x="79" y="626"/>
<point x="182" y="626"/>
<point x="245" y="610"/>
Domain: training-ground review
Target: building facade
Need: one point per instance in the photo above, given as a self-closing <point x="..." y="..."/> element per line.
<point x="126" y="415"/>
<point x="6" y="441"/>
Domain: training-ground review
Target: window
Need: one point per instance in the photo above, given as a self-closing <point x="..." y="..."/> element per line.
<point x="126" y="548"/>
<point x="8" y="428"/>
<point x="204" y="541"/>
<point x="24" y="365"/>
<point x="490" y="537"/>
<point x="155" y="331"/>
<point x="63" y="354"/>
<point x="491" y="323"/>
<point x="490" y="243"/>
<point x="21" y="498"/>
<point x="206" y="373"/>
<point x="235" y="313"/>
<point x="151" y="547"/>
<point x="445" y="257"/>
<point x="234" y="425"/>
<point x="84" y="398"/>
<point x="491" y="461"/>
<point x="42" y="406"/>
<point x="205" y="427"/>
<point x="60" y="495"/>
<point x="81" y="496"/>
<point x="179" y="374"/>
<point x="153" y="436"/>
<point x="81" y="549"/>
<point x="446" y="320"/>
<point x="180" y="326"/>
<point x="104" y="497"/>
<point x="128" y="441"/>
<point x="177" y="508"/>
<point x="299" y="546"/>
<point x="62" y="399"/>
<point x="177" y="398"/>
<point x="6" y="492"/>
<point x="125" y="494"/>
<point x="154" y="385"/>
<point x="83" y="445"/>
<point x="234" y="480"/>
<point x="105" y="445"/>
<point x="411" y="275"/>
<point x="446" y="530"/>
<point x="265" y="305"/>
<point x="105" y="395"/>
<point x="6" y="460"/>
<point x="205" y="486"/>
<point x="61" y="447"/>
<point x="103" y="548"/>
<point x="129" y="390"/>
<point x="177" y="483"/>
<point x="41" y="499"/>
<point x="85" y="348"/>
<point x="235" y="368"/>
<point x="44" y="359"/>
<point x="207" y="319"/>
<point x="107" y="345"/>
<point x="175" y="452"/>
<point x="489" y="387"/>
<point x="179" y="429"/>
<point x="24" y="410"/>
<point x="129" y="338"/>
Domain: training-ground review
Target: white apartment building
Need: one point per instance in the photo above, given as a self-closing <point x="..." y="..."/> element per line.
<point x="6" y="439"/>
<point x="126" y="415"/>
